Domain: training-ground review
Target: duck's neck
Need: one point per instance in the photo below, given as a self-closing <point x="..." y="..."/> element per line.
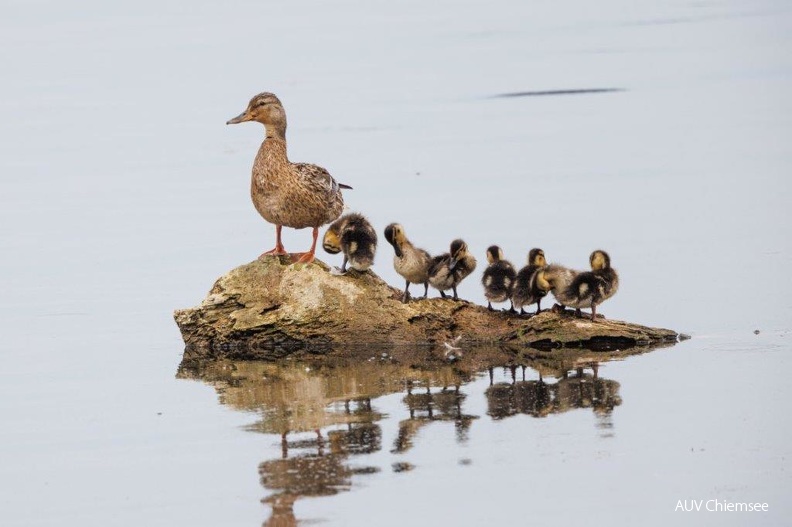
<point x="276" y="130"/>
<point x="273" y="149"/>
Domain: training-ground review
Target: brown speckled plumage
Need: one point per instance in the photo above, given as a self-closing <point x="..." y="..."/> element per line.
<point x="296" y="195"/>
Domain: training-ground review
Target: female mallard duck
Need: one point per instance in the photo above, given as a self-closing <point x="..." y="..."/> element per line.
<point x="498" y="278"/>
<point x="296" y="195"/>
<point x="526" y="289"/>
<point x="353" y="234"/>
<point x="410" y="262"/>
<point x="449" y="269"/>
<point x="583" y="289"/>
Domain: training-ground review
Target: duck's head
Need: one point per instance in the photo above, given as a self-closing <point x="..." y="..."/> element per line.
<point x="332" y="240"/>
<point x="394" y="233"/>
<point x="264" y="108"/>
<point x="599" y="260"/>
<point x="536" y="257"/>
<point x="494" y="254"/>
<point x="459" y="250"/>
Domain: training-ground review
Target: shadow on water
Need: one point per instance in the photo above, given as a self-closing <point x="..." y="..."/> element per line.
<point x="324" y="411"/>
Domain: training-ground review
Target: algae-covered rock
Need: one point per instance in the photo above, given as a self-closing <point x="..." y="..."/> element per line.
<point x="269" y="308"/>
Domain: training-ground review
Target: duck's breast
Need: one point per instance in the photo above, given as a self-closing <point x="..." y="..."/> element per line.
<point x="412" y="265"/>
<point x="304" y="197"/>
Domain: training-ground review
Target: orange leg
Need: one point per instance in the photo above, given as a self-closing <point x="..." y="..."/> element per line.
<point x="279" y="249"/>
<point x="309" y="256"/>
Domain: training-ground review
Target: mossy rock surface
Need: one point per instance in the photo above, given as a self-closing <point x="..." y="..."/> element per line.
<point x="269" y="308"/>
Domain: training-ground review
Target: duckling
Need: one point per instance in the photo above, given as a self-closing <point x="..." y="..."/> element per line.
<point x="353" y="234"/>
<point x="449" y="269"/>
<point x="295" y="195"/>
<point x="555" y="278"/>
<point x="585" y="289"/>
<point x="498" y="278"/>
<point x="410" y="262"/>
<point x="526" y="289"/>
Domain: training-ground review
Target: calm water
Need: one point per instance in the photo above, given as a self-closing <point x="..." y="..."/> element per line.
<point x="124" y="196"/>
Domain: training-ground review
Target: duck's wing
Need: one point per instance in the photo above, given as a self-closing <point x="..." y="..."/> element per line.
<point x="607" y="282"/>
<point x="319" y="178"/>
<point x="585" y="286"/>
<point x="438" y="262"/>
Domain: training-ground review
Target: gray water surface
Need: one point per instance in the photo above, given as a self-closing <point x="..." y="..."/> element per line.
<point x="124" y="196"/>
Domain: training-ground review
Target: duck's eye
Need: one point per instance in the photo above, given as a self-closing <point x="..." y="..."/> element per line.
<point x="261" y="103"/>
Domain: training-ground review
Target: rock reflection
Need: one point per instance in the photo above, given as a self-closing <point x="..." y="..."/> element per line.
<point x="540" y="399"/>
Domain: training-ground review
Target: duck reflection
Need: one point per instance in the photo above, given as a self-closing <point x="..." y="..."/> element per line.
<point x="540" y="399"/>
<point x="425" y="407"/>
<point x="325" y="419"/>
<point x="316" y="467"/>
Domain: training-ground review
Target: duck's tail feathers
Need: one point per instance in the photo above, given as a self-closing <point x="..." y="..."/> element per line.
<point x="341" y="185"/>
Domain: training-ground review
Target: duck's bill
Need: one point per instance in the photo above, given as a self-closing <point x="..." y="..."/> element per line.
<point x="241" y="118"/>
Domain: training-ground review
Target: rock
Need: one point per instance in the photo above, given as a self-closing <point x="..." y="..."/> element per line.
<point x="269" y="309"/>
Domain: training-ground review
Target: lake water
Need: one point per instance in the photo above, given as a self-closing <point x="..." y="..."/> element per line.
<point x="125" y="195"/>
